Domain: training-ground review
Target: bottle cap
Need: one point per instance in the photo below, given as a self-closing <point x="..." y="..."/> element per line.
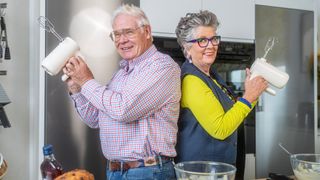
<point x="47" y="149"/>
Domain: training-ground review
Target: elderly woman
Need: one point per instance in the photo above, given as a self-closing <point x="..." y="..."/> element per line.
<point x="210" y="113"/>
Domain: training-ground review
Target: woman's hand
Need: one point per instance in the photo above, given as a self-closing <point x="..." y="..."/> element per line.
<point x="254" y="87"/>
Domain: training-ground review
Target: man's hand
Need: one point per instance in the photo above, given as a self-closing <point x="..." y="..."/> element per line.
<point x="78" y="71"/>
<point x="72" y="86"/>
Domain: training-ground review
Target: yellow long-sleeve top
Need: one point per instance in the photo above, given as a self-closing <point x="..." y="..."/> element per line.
<point x="206" y="108"/>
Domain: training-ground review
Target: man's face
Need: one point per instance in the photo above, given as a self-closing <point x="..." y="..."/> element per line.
<point x="131" y="40"/>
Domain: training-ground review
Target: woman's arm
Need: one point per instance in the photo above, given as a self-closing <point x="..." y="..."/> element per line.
<point x="206" y="108"/>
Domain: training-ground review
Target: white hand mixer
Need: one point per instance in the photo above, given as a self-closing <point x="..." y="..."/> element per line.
<point x="57" y="58"/>
<point x="273" y="75"/>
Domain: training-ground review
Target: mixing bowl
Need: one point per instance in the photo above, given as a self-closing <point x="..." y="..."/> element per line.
<point x="306" y="166"/>
<point x="203" y="170"/>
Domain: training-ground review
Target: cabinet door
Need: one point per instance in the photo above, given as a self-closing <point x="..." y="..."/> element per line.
<point x="236" y="18"/>
<point x="164" y="15"/>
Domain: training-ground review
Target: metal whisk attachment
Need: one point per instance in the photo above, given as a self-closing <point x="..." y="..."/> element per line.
<point x="269" y="46"/>
<point x="46" y="24"/>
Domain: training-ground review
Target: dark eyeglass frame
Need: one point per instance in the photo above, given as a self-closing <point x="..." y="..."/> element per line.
<point x="217" y="40"/>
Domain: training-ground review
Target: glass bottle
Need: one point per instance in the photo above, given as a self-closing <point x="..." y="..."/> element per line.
<point x="50" y="167"/>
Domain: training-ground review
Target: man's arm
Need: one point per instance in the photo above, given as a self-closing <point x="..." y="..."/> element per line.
<point x="151" y="89"/>
<point x="87" y="112"/>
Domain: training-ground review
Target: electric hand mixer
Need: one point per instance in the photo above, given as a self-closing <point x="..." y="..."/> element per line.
<point x="57" y="58"/>
<point x="273" y="75"/>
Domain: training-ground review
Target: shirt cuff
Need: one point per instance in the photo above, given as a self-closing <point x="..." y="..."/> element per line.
<point x="75" y="95"/>
<point x="244" y="101"/>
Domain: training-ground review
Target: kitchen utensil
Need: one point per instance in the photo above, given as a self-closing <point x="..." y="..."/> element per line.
<point x="285" y="150"/>
<point x="5" y="39"/>
<point x="269" y="46"/>
<point x="47" y="25"/>
<point x="2" y="14"/>
<point x="4" y="100"/>
<point x="204" y="170"/>
<point x="304" y="166"/>
<point x="273" y="75"/>
<point x="1" y="50"/>
<point x="57" y="58"/>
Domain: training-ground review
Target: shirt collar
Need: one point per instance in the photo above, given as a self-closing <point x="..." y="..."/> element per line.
<point x="128" y="65"/>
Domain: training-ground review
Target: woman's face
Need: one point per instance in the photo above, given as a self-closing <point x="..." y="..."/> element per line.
<point x="203" y="57"/>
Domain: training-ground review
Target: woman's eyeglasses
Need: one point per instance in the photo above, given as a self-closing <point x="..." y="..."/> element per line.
<point x="128" y="33"/>
<point x="204" y="42"/>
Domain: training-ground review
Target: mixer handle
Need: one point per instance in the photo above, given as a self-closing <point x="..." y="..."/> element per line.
<point x="270" y="91"/>
<point x="64" y="77"/>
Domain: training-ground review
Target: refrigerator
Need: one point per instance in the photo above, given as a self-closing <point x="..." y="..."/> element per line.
<point x="76" y="146"/>
<point x="288" y="117"/>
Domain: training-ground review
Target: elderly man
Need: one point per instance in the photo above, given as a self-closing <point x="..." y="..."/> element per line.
<point x="137" y="111"/>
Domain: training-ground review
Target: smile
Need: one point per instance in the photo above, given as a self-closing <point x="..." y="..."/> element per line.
<point x="126" y="48"/>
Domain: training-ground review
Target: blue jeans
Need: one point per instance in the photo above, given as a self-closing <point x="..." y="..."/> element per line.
<point x="156" y="172"/>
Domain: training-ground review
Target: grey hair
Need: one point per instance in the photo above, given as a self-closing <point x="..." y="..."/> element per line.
<point x="132" y="11"/>
<point x="187" y="26"/>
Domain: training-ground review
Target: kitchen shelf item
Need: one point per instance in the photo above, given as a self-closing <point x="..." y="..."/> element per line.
<point x="3" y="34"/>
<point x="4" y="100"/>
<point x="204" y="170"/>
<point x="4" y="38"/>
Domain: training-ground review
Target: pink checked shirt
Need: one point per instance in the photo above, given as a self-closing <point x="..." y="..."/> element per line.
<point x="137" y="111"/>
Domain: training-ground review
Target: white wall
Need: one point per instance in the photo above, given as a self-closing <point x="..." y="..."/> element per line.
<point x="14" y="141"/>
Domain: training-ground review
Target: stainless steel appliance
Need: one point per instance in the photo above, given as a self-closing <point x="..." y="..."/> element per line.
<point x="287" y="117"/>
<point x="75" y="144"/>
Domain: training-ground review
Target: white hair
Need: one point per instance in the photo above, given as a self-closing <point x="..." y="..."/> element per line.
<point x="132" y="11"/>
<point x="187" y="26"/>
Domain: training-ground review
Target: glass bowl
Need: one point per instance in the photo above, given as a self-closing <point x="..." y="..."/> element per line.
<point x="203" y="170"/>
<point x="306" y="166"/>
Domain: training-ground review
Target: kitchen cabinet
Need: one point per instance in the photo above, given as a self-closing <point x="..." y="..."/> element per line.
<point x="236" y="18"/>
<point x="164" y="15"/>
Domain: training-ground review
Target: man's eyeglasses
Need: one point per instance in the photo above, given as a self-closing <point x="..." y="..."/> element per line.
<point x="204" y="42"/>
<point x="128" y="33"/>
